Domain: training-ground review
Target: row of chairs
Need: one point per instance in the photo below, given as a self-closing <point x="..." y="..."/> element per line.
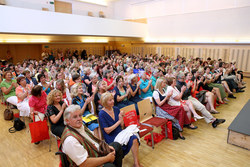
<point x="148" y="119"/>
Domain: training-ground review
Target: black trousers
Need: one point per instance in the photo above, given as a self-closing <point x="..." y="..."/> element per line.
<point x="118" y="156"/>
<point x="231" y="84"/>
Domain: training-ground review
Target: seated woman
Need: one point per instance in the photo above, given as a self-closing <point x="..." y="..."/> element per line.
<point x="175" y="100"/>
<point x="81" y="99"/>
<point x="38" y="103"/>
<point x="29" y="80"/>
<point x="60" y="85"/>
<point x="23" y="93"/>
<point x="209" y="100"/>
<point x="146" y="86"/>
<point x="94" y="79"/>
<point x="203" y="85"/>
<point x="210" y="82"/>
<point x="121" y="94"/>
<point x="8" y="87"/>
<point x="86" y="79"/>
<point x="55" y="110"/>
<point x="101" y="88"/>
<point x="47" y="86"/>
<point x="108" y="78"/>
<point x="111" y="122"/>
<point x="177" y="112"/>
<point x="135" y="90"/>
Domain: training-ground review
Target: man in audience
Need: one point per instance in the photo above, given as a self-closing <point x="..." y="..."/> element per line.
<point x="82" y="147"/>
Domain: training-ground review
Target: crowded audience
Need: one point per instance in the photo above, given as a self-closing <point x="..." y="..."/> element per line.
<point x="65" y="91"/>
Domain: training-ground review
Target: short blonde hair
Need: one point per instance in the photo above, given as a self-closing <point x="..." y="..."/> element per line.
<point x="74" y="89"/>
<point x="158" y="82"/>
<point x="105" y="97"/>
<point x="51" y="95"/>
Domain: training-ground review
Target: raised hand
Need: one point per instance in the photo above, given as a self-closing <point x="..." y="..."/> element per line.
<point x="170" y="93"/>
<point x="183" y="88"/>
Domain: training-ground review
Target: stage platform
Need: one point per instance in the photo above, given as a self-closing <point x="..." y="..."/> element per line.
<point x="239" y="129"/>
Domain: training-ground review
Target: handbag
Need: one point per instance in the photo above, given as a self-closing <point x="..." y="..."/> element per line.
<point x="8" y="114"/>
<point x="156" y="136"/>
<point x="89" y="119"/>
<point x="201" y="96"/>
<point x="172" y="131"/>
<point x="18" y="125"/>
<point x="130" y="118"/>
<point x="104" y="148"/>
<point x="39" y="130"/>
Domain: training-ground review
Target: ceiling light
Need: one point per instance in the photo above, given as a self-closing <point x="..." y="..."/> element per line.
<point x="94" y="40"/>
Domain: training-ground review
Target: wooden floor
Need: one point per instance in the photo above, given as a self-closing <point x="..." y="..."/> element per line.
<point x="204" y="147"/>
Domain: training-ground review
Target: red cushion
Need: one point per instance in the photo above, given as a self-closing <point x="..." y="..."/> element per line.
<point x="156" y="121"/>
<point x="144" y="132"/>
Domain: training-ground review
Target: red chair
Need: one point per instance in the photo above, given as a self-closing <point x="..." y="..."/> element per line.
<point x="143" y="129"/>
<point x="147" y="116"/>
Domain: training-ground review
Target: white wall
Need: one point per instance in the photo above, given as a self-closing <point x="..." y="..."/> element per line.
<point x="135" y="9"/>
<point x="212" y="26"/>
<point x="20" y="20"/>
<point x="79" y="8"/>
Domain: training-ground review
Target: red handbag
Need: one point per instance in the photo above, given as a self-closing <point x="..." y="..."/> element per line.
<point x="157" y="138"/>
<point x="130" y="118"/>
<point x="169" y="130"/>
<point x="39" y="130"/>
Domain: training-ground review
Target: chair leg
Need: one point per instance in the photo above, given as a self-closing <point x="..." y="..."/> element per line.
<point x="166" y="130"/>
<point x="152" y="137"/>
<point x="49" y="142"/>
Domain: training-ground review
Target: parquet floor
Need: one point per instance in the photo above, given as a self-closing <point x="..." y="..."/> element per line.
<point x="203" y="147"/>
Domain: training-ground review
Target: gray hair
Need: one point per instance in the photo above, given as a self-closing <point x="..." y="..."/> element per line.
<point x="86" y="69"/>
<point x="180" y="75"/>
<point x="92" y="75"/>
<point x="70" y="109"/>
<point x="129" y="68"/>
<point x="105" y="73"/>
<point x="155" y="71"/>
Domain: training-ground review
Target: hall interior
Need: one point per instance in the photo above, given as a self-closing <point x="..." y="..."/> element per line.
<point x="194" y="28"/>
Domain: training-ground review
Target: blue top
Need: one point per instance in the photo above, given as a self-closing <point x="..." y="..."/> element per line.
<point x="135" y="98"/>
<point x="33" y="80"/>
<point x="106" y="121"/>
<point x="143" y="85"/>
<point x="80" y="102"/>
<point x="47" y="91"/>
<point x="135" y="71"/>
<point x="117" y="92"/>
<point x="153" y="81"/>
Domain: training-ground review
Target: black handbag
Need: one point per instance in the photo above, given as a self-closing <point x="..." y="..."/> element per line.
<point x="201" y="96"/>
<point x="175" y="133"/>
<point x="18" y="125"/>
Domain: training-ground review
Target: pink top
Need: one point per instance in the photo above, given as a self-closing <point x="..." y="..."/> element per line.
<point x="20" y="89"/>
<point x="39" y="103"/>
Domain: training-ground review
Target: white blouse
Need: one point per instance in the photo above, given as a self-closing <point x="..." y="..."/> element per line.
<point x="171" y="100"/>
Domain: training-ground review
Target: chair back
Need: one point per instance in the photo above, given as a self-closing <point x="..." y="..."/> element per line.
<point x="128" y="108"/>
<point x="145" y="109"/>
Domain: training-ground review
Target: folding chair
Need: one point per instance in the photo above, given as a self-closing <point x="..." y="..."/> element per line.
<point x="147" y="117"/>
<point x="143" y="129"/>
<point x="50" y="132"/>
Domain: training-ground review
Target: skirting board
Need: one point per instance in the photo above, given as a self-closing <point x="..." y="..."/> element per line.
<point x="238" y="139"/>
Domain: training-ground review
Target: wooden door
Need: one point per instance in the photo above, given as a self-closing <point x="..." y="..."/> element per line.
<point x="63" y="7"/>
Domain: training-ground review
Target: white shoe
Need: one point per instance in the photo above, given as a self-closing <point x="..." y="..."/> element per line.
<point x="197" y="117"/>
